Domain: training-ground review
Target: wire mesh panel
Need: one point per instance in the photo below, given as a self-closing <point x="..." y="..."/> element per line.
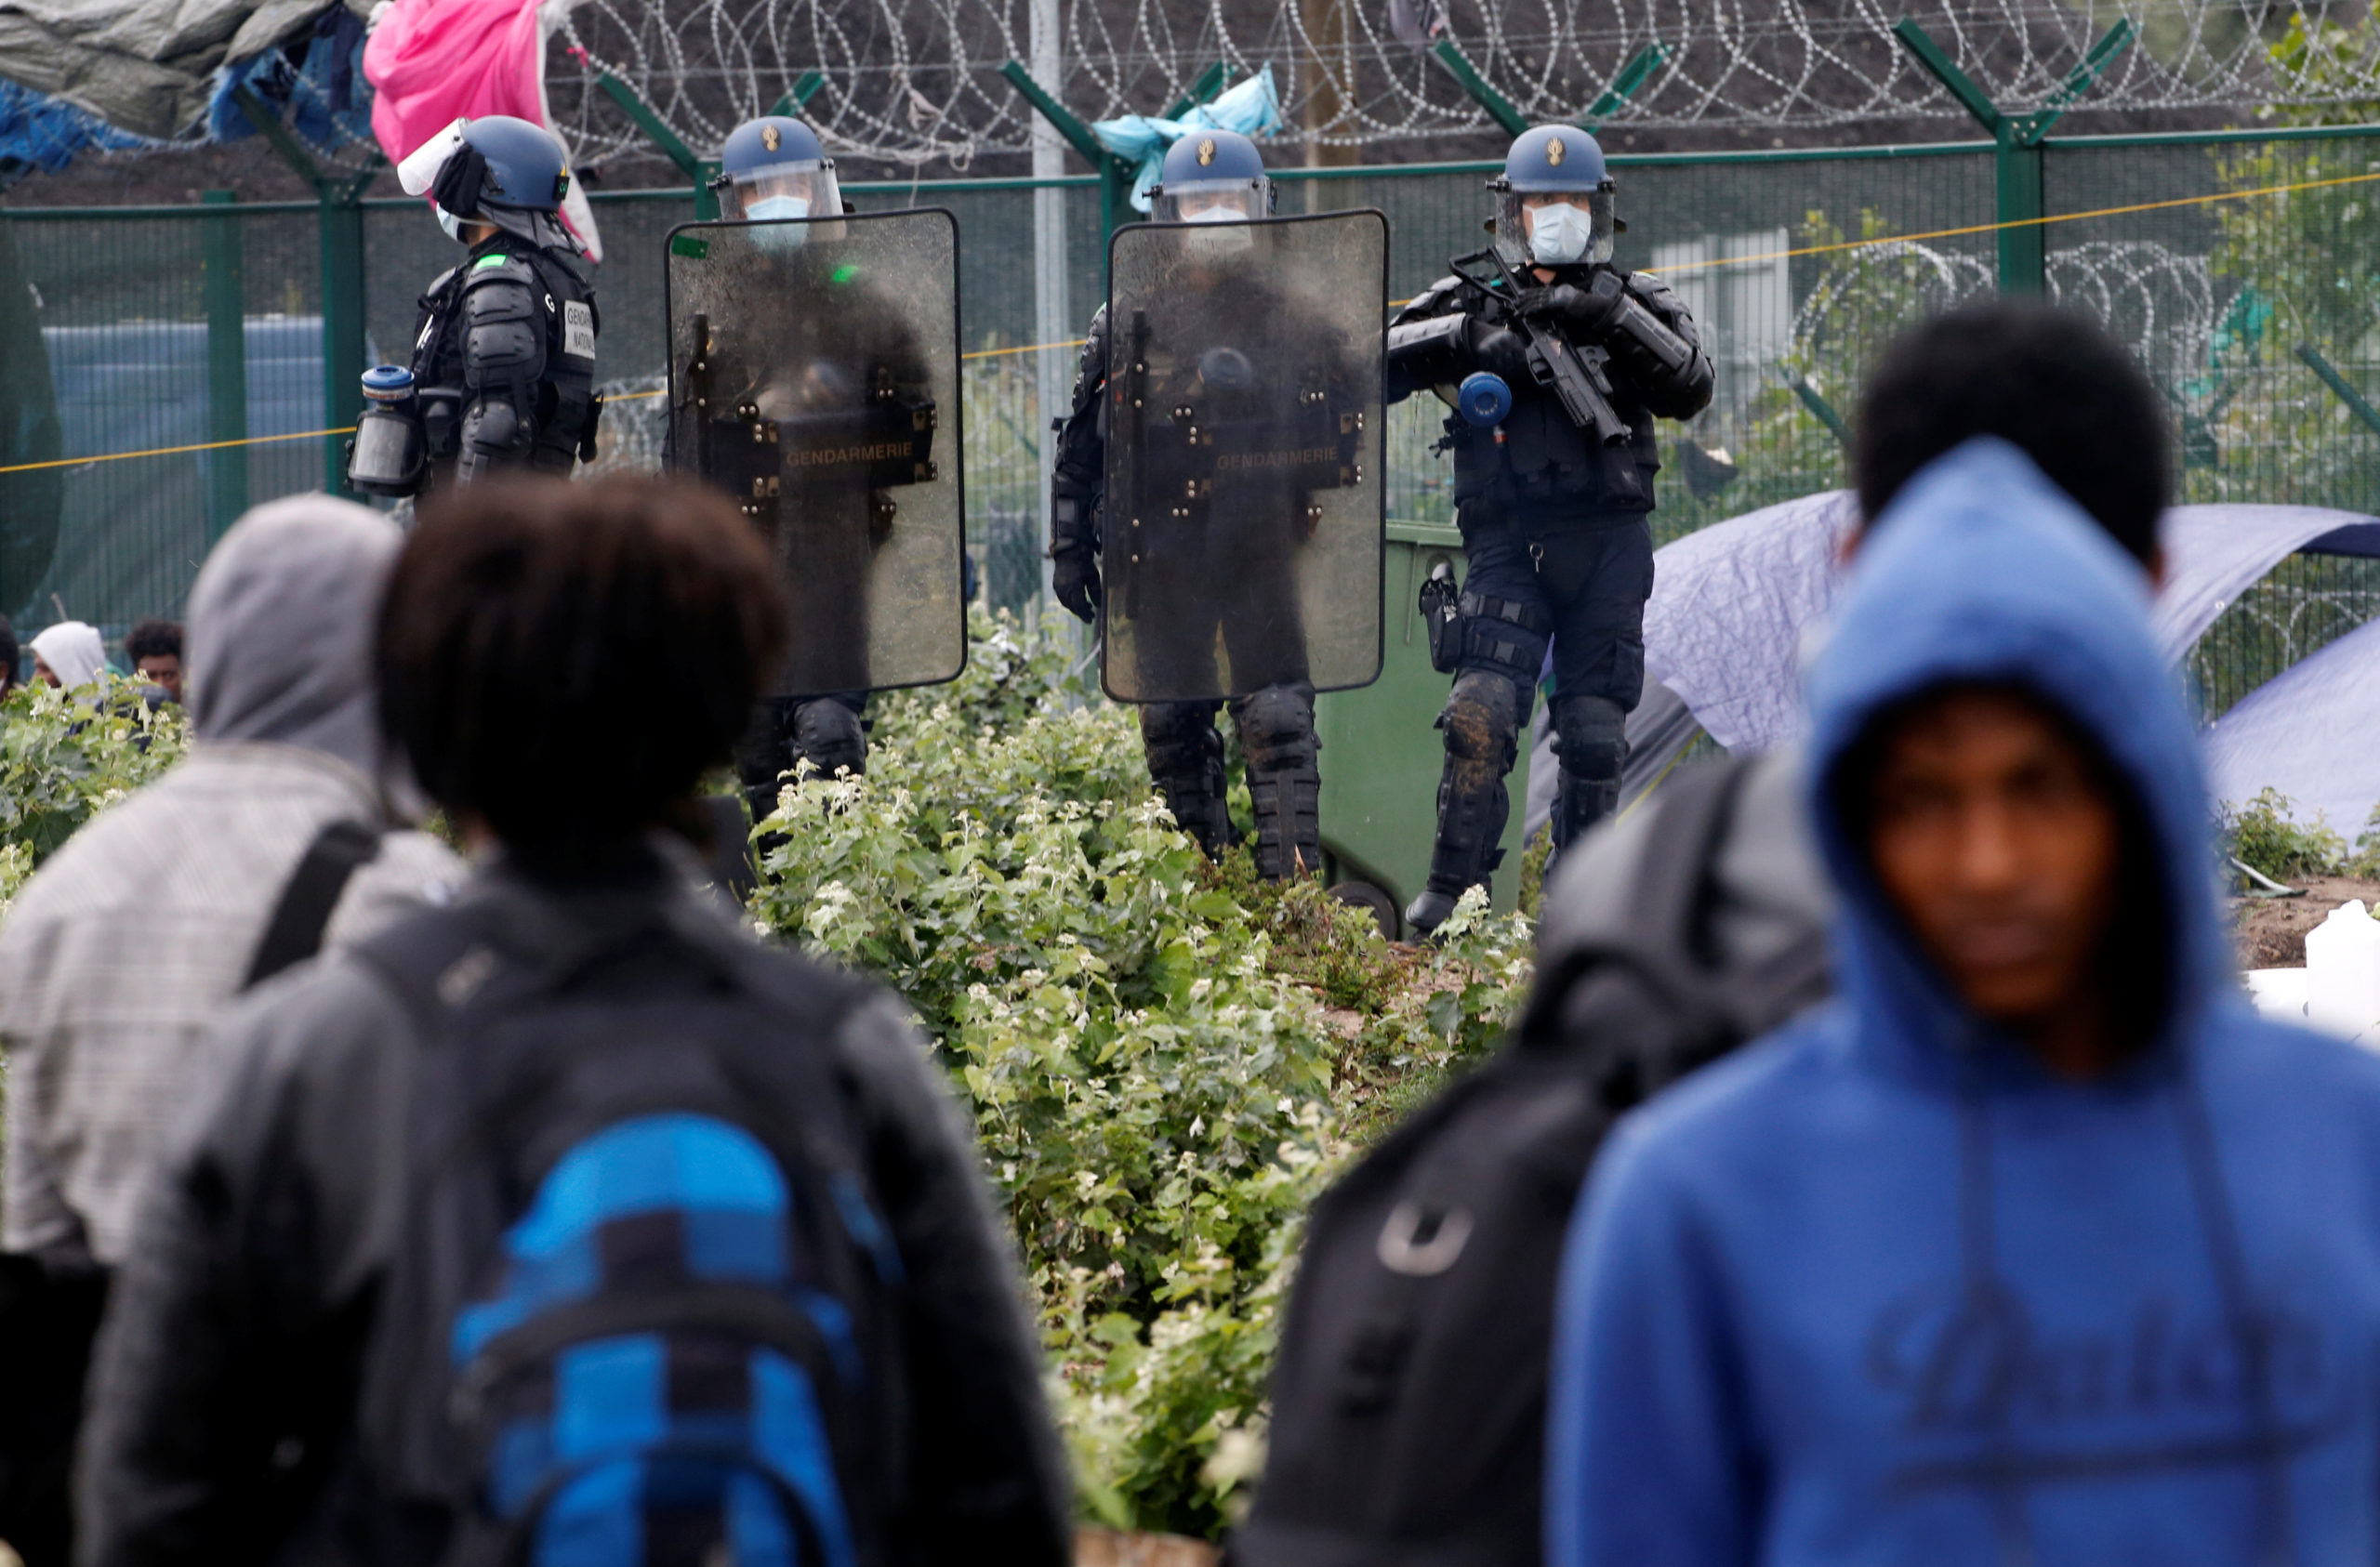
<point x="143" y="354"/>
<point x="2241" y="269"/>
<point x="2246" y="276"/>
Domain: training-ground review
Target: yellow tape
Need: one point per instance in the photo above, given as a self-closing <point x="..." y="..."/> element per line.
<point x="1680" y="267"/>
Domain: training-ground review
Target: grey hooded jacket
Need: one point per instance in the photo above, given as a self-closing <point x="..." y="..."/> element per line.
<point x="127" y="942"/>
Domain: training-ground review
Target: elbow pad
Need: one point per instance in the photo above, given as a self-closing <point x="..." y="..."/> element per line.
<point x="504" y="332"/>
<point x="1665" y="360"/>
<point x="1431" y="352"/>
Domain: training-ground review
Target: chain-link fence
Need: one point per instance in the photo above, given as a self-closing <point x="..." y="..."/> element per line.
<point x="2240" y="268"/>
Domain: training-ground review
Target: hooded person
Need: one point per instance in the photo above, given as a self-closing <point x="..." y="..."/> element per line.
<point x="72" y="652"/>
<point x="1923" y="1277"/>
<point x="120" y="949"/>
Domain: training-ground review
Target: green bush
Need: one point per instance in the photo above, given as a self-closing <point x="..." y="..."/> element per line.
<point x="1164" y="1060"/>
<point x="61" y="761"/>
<point x="2266" y="836"/>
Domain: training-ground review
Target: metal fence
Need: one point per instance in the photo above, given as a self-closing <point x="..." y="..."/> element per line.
<point x="2239" y="266"/>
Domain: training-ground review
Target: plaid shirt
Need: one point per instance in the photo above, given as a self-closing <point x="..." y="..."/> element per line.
<point x="118" y="954"/>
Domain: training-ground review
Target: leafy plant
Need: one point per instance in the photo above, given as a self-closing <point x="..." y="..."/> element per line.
<point x="2266" y="835"/>
<point x="62" y="760"/>
<point x="1164" y="1058"/>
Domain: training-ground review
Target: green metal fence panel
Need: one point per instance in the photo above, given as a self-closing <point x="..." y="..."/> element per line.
<point x="2257" y="312"/>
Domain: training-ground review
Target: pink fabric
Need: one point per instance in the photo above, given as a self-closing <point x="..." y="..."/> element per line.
<point x="433" y="62"/>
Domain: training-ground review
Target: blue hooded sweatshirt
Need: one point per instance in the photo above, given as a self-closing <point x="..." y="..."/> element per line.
<point x="1880" y="1289"/>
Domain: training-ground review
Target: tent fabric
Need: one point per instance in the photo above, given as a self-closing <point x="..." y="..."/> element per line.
<point x="1733" y="603"/>
<point x="143" y="66"/>
<point x="318" y="89"/>
<point x="431" y="62"/>
<point x="2311" y="733"/>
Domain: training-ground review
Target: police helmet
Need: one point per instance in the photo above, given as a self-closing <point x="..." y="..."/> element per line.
<point x="775" y="167"/>
<point x="497" y="170"/>
<point x="1558" y="169"/>
<point x="1212" y="176"/>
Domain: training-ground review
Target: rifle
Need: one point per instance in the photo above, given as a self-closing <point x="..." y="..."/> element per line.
<point x="1576" y="379"/>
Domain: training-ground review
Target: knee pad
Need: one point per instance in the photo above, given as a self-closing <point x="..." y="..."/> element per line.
<point x="1179" y="738"/>
<point x="830" y="736"/>
<point x="1590" y="736"/>
<point x="1277" y="726"/>
<point x="1481" y="719"/>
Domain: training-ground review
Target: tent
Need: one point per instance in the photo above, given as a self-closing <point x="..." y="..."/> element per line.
<point x="2312" y="732"/>
<point x="1734" y="604"/>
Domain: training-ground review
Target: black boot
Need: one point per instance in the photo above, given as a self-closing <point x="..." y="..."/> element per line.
<point x="1185" y="755"/>
<point x="1284" y="779"/>
<point x="1482" y="726"/>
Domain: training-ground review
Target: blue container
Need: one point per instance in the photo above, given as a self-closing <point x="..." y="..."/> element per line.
<point x="1484" y="399"/>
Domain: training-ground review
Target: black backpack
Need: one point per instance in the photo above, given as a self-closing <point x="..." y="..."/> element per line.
<point x="643" y="1308"/>
<point x="1409" y="1392"/>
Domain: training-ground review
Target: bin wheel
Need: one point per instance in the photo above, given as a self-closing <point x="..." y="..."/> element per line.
<point x="1364" y="895"/>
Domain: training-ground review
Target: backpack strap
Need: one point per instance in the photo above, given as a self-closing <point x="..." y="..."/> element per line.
<point x="295" y="931"/>
<point x="1667" y="943"/>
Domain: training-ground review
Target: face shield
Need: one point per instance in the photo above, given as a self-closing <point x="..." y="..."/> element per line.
<point x="806" y="189"/>
<point x="1214" y="201"/>
<point x="1557" y="228"/>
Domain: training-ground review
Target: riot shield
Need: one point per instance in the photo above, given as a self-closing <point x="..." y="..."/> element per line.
<point x="813" y="375"/>
<point x="1245" y="505"/>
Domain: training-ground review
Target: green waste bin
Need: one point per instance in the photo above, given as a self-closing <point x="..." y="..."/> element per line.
<point x="1381" y="750"/>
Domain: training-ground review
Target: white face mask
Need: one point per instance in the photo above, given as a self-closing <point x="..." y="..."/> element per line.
<point x="1224" y="232"/>
<point x="1559" y="234"/>
<point x="449" y="221"/>
<point x="783" y="236"/>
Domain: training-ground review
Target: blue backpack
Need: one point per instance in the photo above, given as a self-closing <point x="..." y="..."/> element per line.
<point x="643" y="1309"/>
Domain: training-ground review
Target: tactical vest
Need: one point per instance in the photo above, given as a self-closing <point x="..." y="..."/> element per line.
<point x="1537" y="459"/>
<point x="562" y="403"/>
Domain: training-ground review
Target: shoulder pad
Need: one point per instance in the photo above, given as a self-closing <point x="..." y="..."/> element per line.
<point x="496" y="267"/>
<point x="1653" y="290"/>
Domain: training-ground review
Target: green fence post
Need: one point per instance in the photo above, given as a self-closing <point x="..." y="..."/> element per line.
<point x="1212" y="80"/>
<point x="1116" y="176"/>
<point x="2341" y="386"/>
<point x="2017" y="137"/>
<point x="227" y="364"/>
<point x="797" y="98"/>
<point x="1623" y="86"/>
<point x="1821" y="409"/>
<point x="658" y="132"/>
<point x="339" y="219"/>
<point x="1500" y="109"/>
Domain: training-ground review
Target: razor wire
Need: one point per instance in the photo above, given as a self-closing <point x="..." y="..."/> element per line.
<point x="917" y="82"/>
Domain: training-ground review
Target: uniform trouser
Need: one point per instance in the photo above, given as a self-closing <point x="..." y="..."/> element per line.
<point x="1581" y="585"/>
<point x="1277" y="736"/>
<point x="823" y="731"/>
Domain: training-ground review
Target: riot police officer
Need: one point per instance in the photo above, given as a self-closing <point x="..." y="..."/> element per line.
<point x="1552" y="500"/>
<point x="809" y="340"/>
<point x="1249" y="605"/>
<point x="504" y="349"/>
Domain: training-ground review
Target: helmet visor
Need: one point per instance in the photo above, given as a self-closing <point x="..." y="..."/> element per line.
<point x="777" y="189"/>
<point x="1557" y="228"/>
<point x="1212" y="201"/>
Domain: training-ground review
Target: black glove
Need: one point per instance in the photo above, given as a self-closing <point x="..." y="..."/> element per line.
<point x="1583" y="315"/>
<point x="1076" y="581"/>
<point x="1500" y="352"/>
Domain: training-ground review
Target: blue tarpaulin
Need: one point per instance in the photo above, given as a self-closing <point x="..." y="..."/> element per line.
<point x="1252" y="108"/>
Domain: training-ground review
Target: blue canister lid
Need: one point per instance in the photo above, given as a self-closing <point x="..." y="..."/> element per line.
<point x="1484" y="399"/>
<point x="387" y="383"/>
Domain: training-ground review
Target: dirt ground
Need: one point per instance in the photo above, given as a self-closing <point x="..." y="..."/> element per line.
<point x="2271" y="932"/>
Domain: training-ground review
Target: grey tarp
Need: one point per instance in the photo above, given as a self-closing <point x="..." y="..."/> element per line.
<point x="141" y="65"/>
<point x="2312" y="732"/>
<point x="1734" y="603"/>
